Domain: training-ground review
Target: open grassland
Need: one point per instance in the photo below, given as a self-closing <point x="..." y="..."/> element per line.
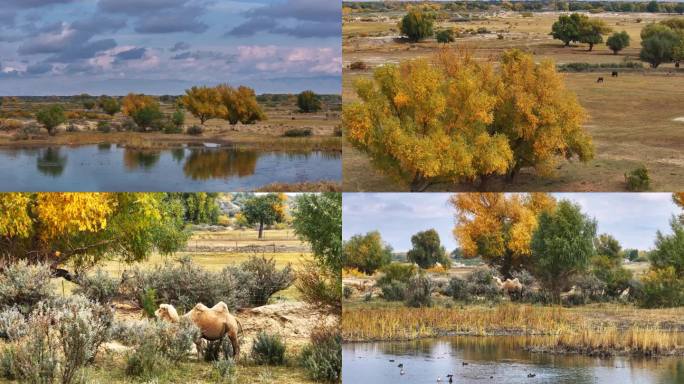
<point x="632" y="118"/>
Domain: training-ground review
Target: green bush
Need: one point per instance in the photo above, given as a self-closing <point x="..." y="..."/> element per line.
<point x="148" y="301"/>
<point x="51" y="117"/>
<point x="259" y="279"/>
<point x="223" y="370"/>
<point x="297" y="132"/>
<point x="99" y="287"/>
<point x="347" y="292"/>
<point x="195" y="130"/>
<point x="397" y="272"/>
<point x="394" y="291"/>
<point x="308" y="102"/>
<point x="23" y="285"/>
<point x="268" y="349"/>
<point x="419" y="292"/>
<point x="458" y="289"/>
<point x="104" y="126"/>
<point x="146" y="362"/>
<point x="358" y="66"/>
<point x="445" y="36"/>
<point x="417" y="25"/>
<point x="662" y="288"/>
<point x="109" y="105"/>
<point x="320" y="286"/>
<point x="322" y="357"/>
<point x="147" y="117"/>
<point x="638" y="180"/>
<point x="12" y="324"/>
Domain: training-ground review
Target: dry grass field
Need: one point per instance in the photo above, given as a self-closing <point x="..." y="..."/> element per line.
<point x="631" y="117"/>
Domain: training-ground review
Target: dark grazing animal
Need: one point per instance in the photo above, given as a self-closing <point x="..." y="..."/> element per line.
<point x="614" y="74"/>
<point x="599" y="80"/>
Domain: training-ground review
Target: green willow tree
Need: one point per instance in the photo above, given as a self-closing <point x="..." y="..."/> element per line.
<point x="367" y="253"/>
<point x="264" y="210"/>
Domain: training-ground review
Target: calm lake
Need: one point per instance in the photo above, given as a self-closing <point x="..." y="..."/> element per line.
<point x="495" y="359"/>
<point x="204" y="167"/>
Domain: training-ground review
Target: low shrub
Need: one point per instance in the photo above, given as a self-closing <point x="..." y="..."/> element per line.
<point x="322" y="357"/>
<point x="588" y="67"/>
<point x="23" y="285"/>
<point x="99" y="287"/>
<point x="28" y="131"/>
<point x="223" y="370"/>
<point x="169" y="127"/>
<point x="458" y="289"/>
<point x="481" y="283"/>
<point x="297" y="132"/>
<point x="397" y="271"/>
<point x="638" y="180"/>
<point x="662" y="288"/>
<point x="259" y="279"/>
<point x="195" y="130"/>
<point x="146" y="362"/>
<point x="129" y="125"/>
<point x="214" y="349"/>
<point x="347" y="292"/>
<point x="319" y="286"/>
<point x="419" y="292"/>
<point x="104" y="126"/>
<point x="199" y="286"/>
<point x="268" y="349"/>
<point x="588" y="288"/>
<point x="12" y="324"/>
<point x="394" y="291"/>
<point x="358" y="66"/>
<point x="63" y="336"/>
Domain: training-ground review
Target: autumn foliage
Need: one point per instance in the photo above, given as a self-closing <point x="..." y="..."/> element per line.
<point x="236" y="105"/>
<point x="499" y="227"/>
<point x="458" y="120"/>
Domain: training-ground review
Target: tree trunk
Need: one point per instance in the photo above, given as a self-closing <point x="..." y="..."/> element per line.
<point x="514" y="172"/>
<point x="261" y="229"/>
<point x="567" y="44"/>
<point x="591" y="46"/>
<point x="419" y="183"/>
<point x="484" y="183"/>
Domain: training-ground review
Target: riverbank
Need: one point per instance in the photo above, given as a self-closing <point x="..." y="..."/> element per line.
<point x="159" y="140"/>
<point x="605" y="329"/>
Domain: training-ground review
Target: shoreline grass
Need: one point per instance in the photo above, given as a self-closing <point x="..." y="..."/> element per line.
<point x="568" y="330"/>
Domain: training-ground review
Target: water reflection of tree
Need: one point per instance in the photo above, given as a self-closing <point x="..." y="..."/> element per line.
<point x="138" y="159"/>
<point x="104" y="147"/>
<point x="178" y="154"/>
<point x="203" y="164"/>
<point x="49" y="162"/>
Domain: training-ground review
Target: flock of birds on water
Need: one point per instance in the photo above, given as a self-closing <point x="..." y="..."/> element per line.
<point x="449" y="377"/>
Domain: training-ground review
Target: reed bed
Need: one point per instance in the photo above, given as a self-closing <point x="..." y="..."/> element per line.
<point x="371" y="324"/>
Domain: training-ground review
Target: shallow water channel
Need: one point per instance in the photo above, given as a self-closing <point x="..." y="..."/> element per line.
<point x="494" y="359"/>
<point x="204" y="167"/>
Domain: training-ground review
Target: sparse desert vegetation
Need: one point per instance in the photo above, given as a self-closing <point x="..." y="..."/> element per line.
<point x="89" y="302"/>
<point x="610" y="57"/>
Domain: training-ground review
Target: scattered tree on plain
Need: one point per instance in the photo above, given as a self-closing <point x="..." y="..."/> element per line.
<point x="566" y="29"/>
<point x="499" y="227"/>
<point x="239" y="105"/>
<point x="367" y="253"/>
<point x="143" y="109"/>
<point x="204" y="103"/>
<point x="662" y="42"/>
<point x="308" y="102"/>
<point x="109" y="105"/>
<point x="457" y="120"/>
<point x="51" y="117"/>
<point x="427" y="250"/>
<point x="591" y="32"/>
<point x="417" y="24"/>
<point x="265" y="210"/>
<point x="562" y="246"/>
<point x="618" y="41"/>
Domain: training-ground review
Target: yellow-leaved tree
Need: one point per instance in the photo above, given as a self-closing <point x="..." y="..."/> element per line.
<point x="456" y="119"/>
<point x="82" y="229"/>
<point x="204" y="103"/>
<point x="133" y="103"/>
<point x="498" y="227"/>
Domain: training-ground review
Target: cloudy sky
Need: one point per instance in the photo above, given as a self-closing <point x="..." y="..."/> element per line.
<point x="633" y="218"/>
<point x="64" y="47"/>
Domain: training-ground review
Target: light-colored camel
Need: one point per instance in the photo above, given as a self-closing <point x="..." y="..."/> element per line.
<point x="214" y="323"/>
<point x="509" y="286"/>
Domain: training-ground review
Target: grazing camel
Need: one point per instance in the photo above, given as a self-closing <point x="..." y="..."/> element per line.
<point x="599" y="80"/>
<point x="214" y="323"/>
<point x="509" y="286"/>
<point x="614" y="74"/>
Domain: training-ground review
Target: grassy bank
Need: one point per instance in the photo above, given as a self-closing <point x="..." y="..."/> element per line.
<point x="593" y="330"/>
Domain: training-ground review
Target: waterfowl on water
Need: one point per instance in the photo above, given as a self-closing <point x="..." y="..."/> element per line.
<point x="391" y="360"/>
<point x="451" y="377"/>
<point x="464" y="363"/>
<point x="439" y="379"/>
<point x="401" y="365"/>
<point x="531" y="375"/>
<point x="402" y="372"/>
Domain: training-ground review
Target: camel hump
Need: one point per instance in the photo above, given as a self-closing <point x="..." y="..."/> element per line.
<point x="220" y="307"/>
<point x="201" y="307"/>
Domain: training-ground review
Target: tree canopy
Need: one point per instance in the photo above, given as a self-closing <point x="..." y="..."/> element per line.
<point x="417" y="24"/>
<point x="579" y="28"/>
<point x="265" y="209"/>
<point x="427" y="250"/>
<point x="204" y="103"/>
<point x="82" y="229"/>
<point x="618" y="41"/>
<point x="308" y="102"/>
<point x="662" y="42"/>
<point x="317" y="218"/>
<point x="51" y="117"/>
<point x="499" y="227"/>
<point x="562" y="245"/>
<point x="456" y="119"/>
<point x="367" y="253"/>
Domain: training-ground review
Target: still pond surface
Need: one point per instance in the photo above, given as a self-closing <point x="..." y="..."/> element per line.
<point x="495" y="359"/>
<point x="207" y="167"/>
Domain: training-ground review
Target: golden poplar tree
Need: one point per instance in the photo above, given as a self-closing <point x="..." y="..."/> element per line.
<point x="457" y="120"/>
<point x="498" y="227"/>
<point x="204" y="103"/>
